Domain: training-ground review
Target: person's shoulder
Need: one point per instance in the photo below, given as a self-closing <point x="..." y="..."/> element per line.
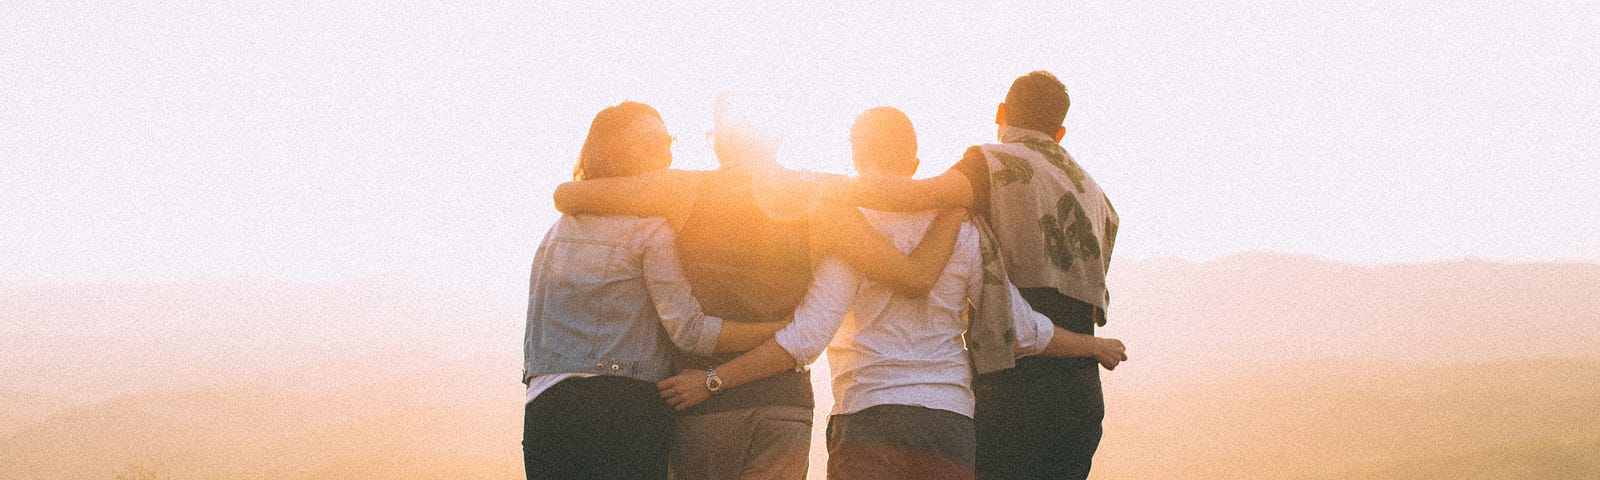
<point x="672" y="177"/>
<point x="609" y="222"/>
<point x="890" y="223"/>
<point x="967" y="237"/>
<point x="641" y="232"/>
<point x="973" y="162"/>
<point x="975" y="153"/>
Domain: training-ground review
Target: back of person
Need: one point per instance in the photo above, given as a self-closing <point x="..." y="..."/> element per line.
<point x="1049" y="229"/>
<point x="903" y="401"/>
<point x="1055" y="229"/>
<point x="590" y="311"/>
<point x="908" y="351"/>
<point x="744" y="266"/>
<point x="600" y="290"/>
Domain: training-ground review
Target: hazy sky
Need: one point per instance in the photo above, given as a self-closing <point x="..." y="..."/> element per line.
<point x="326" y="141"/>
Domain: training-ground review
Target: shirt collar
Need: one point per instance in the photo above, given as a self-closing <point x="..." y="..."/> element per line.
<point x="1017" y="134"/>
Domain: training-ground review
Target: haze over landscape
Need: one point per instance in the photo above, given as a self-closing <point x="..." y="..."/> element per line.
<point x="1251" y="366"/>
<point x="291" y="239"/>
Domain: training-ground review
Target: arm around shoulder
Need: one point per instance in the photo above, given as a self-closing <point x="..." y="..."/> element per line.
<point x="843" y="232"/>
<point x="661" y="193"/>
<point x="816" y="321"/>
<point x="950" y="189"/>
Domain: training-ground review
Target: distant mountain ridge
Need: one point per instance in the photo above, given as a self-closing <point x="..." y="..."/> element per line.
<point x="1286" y="307"/>
<point x="379" y="376"/>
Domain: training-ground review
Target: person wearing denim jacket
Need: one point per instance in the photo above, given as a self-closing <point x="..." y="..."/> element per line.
<point x="607" y="305"/>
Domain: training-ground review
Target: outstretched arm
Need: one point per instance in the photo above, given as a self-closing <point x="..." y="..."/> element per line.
<point x="740" y="336"/>
<point x="661" y="193"/>
<point x="688" y="388"/>
<point x="832" y="291"/>
<point x="681" y="315"/>
<point x="950" y="189"/>
<point x="1108" y="351"/>
<point x="843" y="232"/>
<point x="1037" y="335"/>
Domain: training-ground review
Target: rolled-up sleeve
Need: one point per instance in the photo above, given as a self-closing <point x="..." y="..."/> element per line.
<point x="833" y="289"/>
<point x="1034" y="330"/>
<point x="687" y="325"/>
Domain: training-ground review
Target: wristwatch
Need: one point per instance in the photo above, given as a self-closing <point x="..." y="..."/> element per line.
<point x="713" y="381"/>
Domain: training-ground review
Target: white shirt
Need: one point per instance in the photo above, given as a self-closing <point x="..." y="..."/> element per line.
<point x="896" y="350"/>
<point x="539" y="383"/>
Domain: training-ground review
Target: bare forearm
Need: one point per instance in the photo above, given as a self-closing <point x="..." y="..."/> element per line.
<point x="1066" y="343"/>
<point x="690" y="387"/>
<point x="929" y="259"/>
<point x="738" y="337"/>
<point x="846" y="234"/>
<point x="574" y="198"/>
<point x="1108" y="351"/>
<point x="765" y="360"/>
<point x="889" y="194"/>
<point x="660" y="193"/>
<point x="904" y="194"/>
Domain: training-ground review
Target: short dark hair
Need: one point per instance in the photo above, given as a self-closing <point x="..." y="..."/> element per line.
<point x="606" y="150"/>
<point x="1037" y="101"/>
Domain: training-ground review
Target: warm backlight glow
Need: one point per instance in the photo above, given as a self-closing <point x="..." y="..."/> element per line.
<point x="292" y="239"/>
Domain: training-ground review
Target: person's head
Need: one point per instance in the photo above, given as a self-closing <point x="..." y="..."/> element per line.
<point x="626" y="139"/>
<point x="738" y="140"/>
<point x="1037" y="101"/>
<point x="883" y="142"/>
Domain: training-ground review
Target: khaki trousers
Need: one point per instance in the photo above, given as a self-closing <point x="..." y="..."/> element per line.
<point x="759" y="443"/>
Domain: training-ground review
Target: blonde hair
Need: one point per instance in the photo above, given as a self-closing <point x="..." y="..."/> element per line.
<point x="884" y="137"/>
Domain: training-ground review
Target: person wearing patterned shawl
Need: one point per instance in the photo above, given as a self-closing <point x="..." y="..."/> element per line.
<point x="1049" y="228"/>
<point x="902" y="372"/>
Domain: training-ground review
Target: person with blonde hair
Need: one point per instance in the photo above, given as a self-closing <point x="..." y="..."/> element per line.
<point x="748" y="241"/>
<point x="902" y="375"/>
<point x="608" y="305"/>
<point x="1051" y="229"/>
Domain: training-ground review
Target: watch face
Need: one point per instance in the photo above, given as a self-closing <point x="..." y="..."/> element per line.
<point x="713" y="382"/>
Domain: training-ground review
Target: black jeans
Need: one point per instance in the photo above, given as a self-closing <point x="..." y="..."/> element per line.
<point x="900" y="442"/>
<point x="1042" y="418"/>
<point x="603" y="427"/>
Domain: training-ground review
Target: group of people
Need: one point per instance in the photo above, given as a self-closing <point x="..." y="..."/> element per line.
<point x="672" y="313"/>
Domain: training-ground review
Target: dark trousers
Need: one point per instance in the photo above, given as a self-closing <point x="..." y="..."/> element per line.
<point x="1041" y="419"/>
<point x="900" y="442"/>
<point x="603" y="427"/>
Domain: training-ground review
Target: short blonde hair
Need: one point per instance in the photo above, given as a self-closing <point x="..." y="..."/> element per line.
<point x="885" y="137"/>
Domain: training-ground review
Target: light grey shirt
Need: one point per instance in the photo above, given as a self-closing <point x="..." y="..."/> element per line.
<point x="897" y="350"/>
<point x="602" y="290"/>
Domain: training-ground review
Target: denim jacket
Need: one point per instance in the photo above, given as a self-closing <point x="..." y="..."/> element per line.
<point x="608" y="297"/>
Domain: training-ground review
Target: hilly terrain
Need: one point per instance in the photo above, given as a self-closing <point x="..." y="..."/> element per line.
<point x="1251" y="366"/>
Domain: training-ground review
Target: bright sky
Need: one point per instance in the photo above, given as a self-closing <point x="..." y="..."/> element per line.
<point x="327" y="141"/>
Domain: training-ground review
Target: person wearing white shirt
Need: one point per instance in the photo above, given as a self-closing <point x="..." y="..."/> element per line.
<point x="901" y="375"/>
